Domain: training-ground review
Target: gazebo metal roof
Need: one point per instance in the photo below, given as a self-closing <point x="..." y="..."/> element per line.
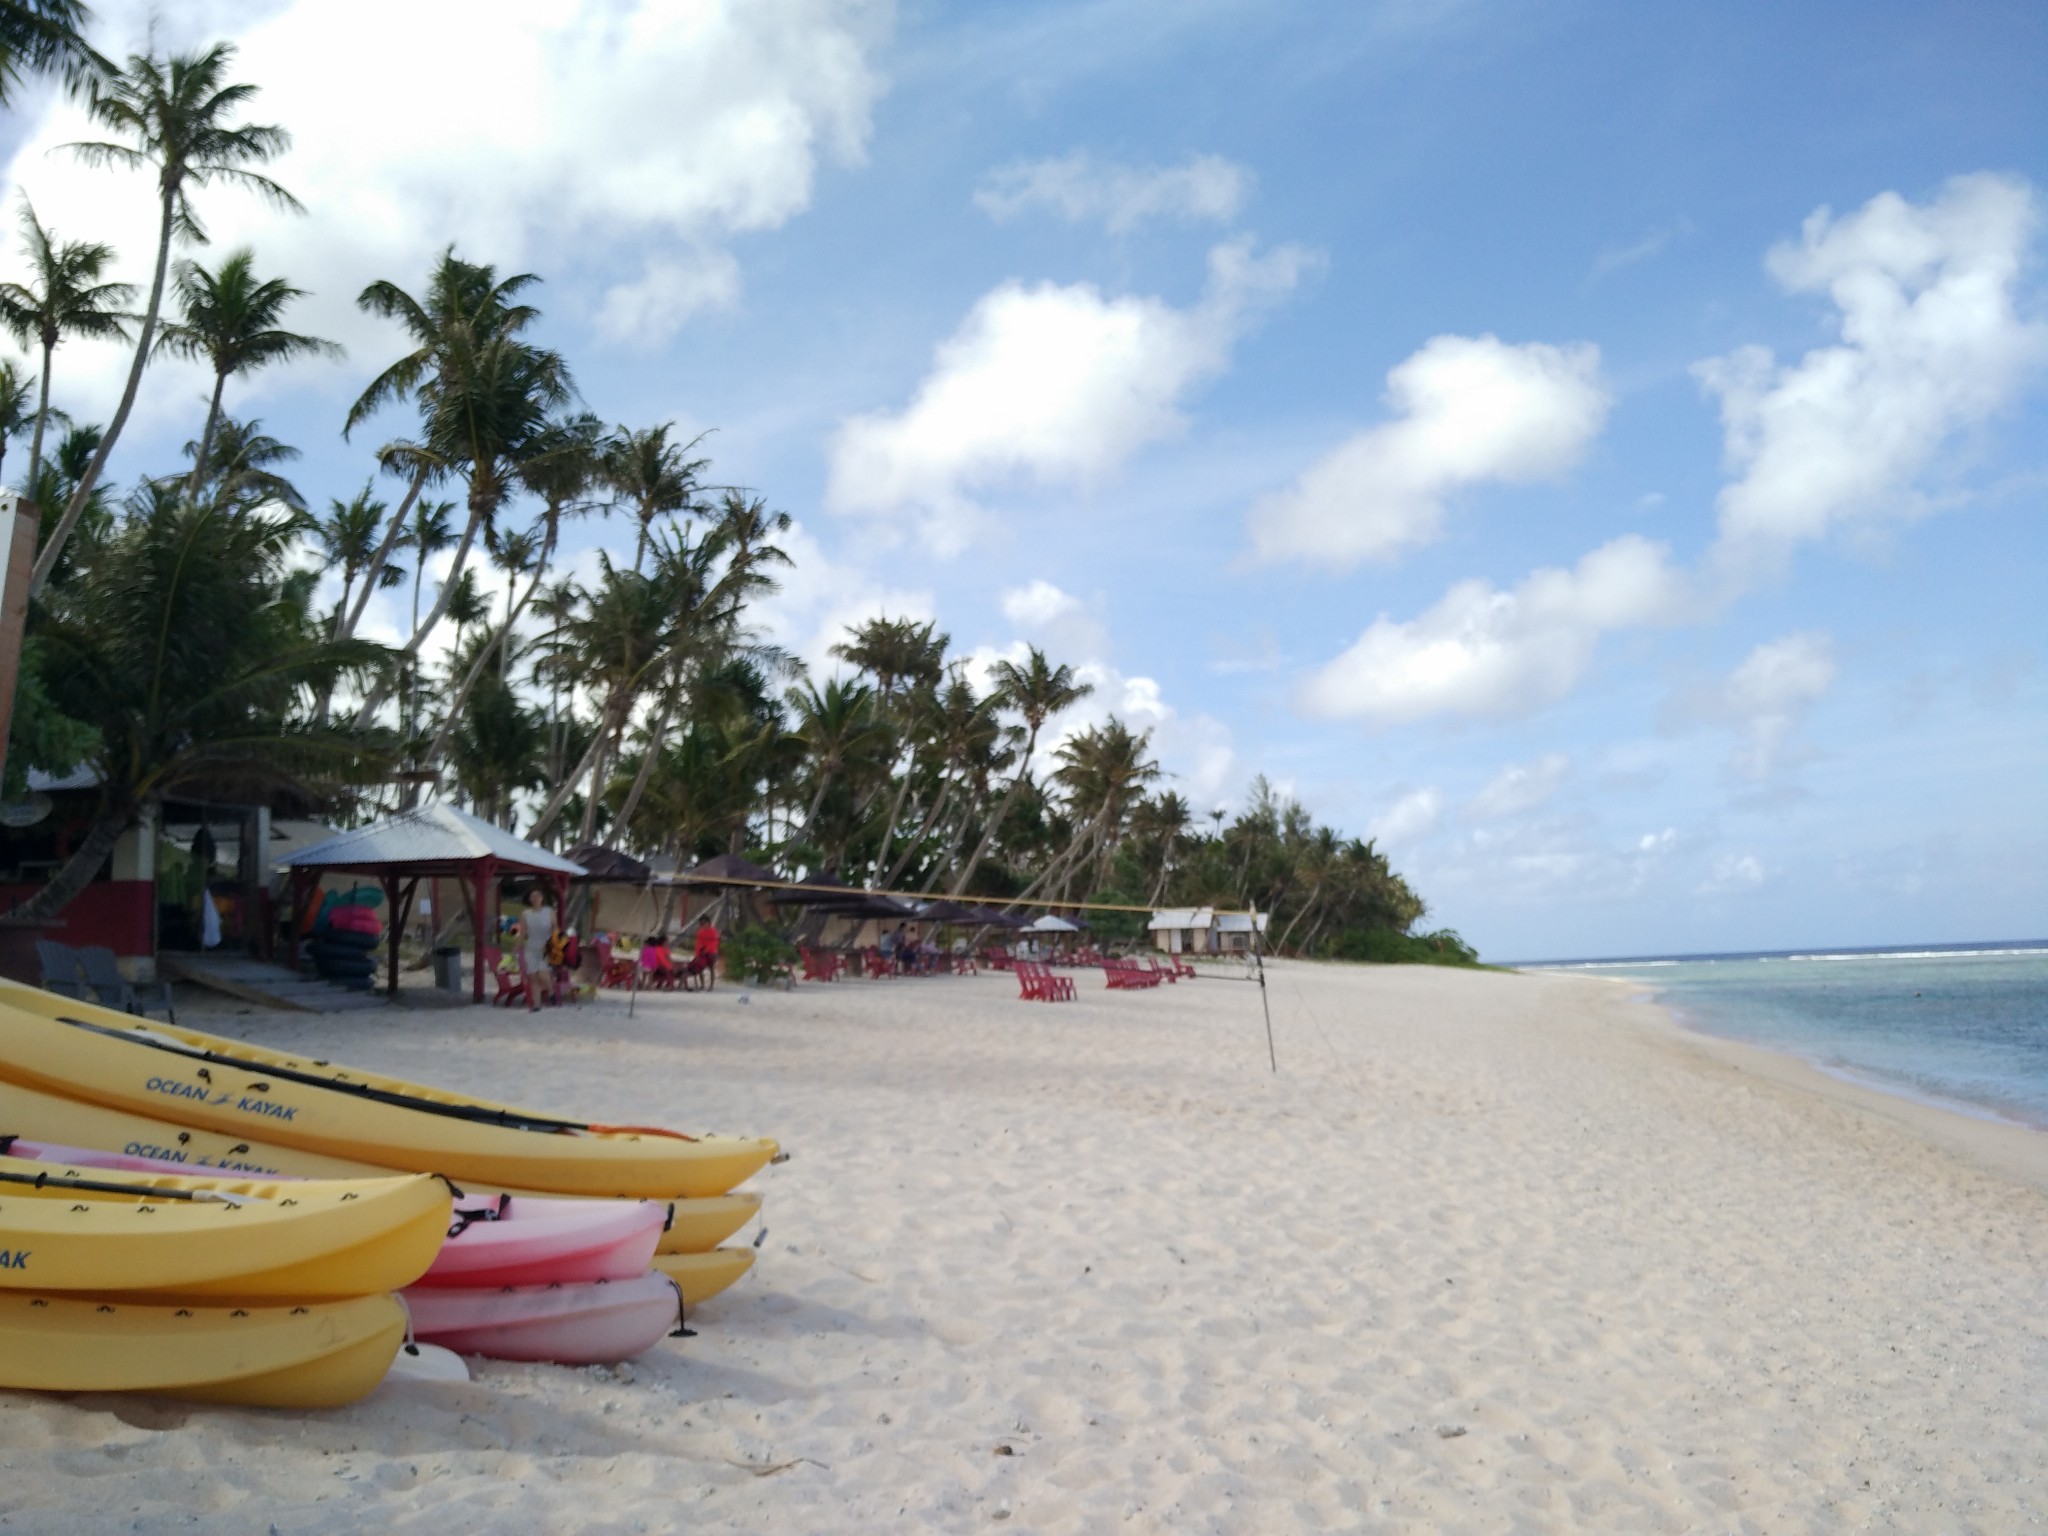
<point x="435" y="839"/>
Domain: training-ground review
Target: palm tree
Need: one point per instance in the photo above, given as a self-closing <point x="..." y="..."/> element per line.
<point x="654" y="476"/>
<point x="45" y="37"/>
<point x="965" y="729"/>
<point x="229" y="321"/>
<point x="175" y="113"/>
<point x="1104" y="771"/>
<point x="15" y="415"/>
<point x="839" y="730"/>
<point x="907" y="659"/>
<point x="53" y="484"/>
<point x="485" y="397"/>
<point x="243" y="466"/>
<point x="1037" y="690"/>
<point x="65" y="296"/>
<point x="559" y="472"/>
<point x="178" y="644"/>
<point x="347" y="534"/>
<point x="623" y="635"/>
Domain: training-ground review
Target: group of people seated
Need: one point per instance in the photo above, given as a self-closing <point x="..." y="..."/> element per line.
<point x="659" y="967"/>
<point x="911" y="955"/>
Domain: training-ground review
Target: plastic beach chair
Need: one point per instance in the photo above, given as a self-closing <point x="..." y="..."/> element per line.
<point x="102" y="973"/>
<point x="61" y="972"/>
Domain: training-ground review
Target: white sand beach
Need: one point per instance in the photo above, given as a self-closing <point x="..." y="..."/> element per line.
<point x="1491" y="1253"/>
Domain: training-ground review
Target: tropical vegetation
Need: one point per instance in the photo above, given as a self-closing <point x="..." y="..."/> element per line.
<point x="207" y="626"/>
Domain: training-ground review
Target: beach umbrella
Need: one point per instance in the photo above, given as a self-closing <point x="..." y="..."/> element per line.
<point x="1051" y="923"/>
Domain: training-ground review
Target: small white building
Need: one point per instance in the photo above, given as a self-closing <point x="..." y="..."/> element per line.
<point x="1232" y="933"/>
<point x="1183" y="930"/>
<point x="1203" y="931"/>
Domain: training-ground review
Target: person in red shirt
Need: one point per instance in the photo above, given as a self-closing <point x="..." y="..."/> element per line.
<point x="704" y="958"/>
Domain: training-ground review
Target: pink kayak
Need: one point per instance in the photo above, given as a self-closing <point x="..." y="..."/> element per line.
<point x="494" y="1240"/>
<point x="592" y="1324"/>
<point x="526" y="1240"/>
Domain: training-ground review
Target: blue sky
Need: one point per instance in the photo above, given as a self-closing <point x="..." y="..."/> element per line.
<point x="1593" y="448"/>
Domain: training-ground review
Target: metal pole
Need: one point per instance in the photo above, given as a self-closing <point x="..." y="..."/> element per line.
<point x="1259" y="959"/>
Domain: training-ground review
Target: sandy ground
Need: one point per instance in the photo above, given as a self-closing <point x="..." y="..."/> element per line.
<point x="1499" y="1253"/>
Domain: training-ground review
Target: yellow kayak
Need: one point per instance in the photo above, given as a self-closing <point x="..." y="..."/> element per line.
<point x="701" y="1276"/>
<point x="93" y="1054"/>
<point x="321" y="1355"/>
<point x="168" y="1237"/>
<point x="696" y="1225"/>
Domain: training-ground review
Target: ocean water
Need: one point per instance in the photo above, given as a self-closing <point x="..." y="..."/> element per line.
<point x="1964" y="1026"/>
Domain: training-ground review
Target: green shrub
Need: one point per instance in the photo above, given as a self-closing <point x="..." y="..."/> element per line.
<point x="1383" y="946"/>
<point x="758" y="955"/>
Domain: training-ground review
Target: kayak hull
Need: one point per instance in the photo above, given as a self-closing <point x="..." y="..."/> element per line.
<point x="58" y="1129"/>
<point x="95" y="1055"/>
<point x="258" y="1241"/>
<point x="567" y="1324"/>
<point x="311" y="1356"/>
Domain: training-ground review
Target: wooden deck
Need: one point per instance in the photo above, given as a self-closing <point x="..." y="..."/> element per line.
<point x="265" y="984"/>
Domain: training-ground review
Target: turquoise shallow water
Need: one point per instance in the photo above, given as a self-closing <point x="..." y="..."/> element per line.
<point x="1964" y="1026"/>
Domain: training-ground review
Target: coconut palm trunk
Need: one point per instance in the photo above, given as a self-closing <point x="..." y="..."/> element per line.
<point x="345" y="627"/>
<point x="388" y="684"/>
<point x="35" y="443"/>
<point x="53" y="547"/>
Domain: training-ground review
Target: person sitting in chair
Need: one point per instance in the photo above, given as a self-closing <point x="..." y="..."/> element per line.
<point x="703" y="968"/>
<point x="657" y="969"/>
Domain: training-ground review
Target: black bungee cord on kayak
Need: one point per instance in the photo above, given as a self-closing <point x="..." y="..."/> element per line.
<point x="109" y="1187"/>
<point x="477" y="1113"/>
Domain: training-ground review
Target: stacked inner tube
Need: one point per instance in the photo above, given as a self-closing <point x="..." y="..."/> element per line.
<point x="343" y="939"/>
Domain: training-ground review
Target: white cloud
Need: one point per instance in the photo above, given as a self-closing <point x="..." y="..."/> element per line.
<point x="1412" y="817"/>
<point x="1080" y="188"/>
<point x="1195" y="750"/>
<point x="821" y="598"/>
<point x="1520" y="787"/>
<point x="1768" y="695"/>
<point x="1732" y="873"/>
<point x="1932" y="342"/>
<point x="1484" y="652"/>
<point x="1467" y="410"/>
<point x="1058" y="385"/>
<point x="630" y="140"/>
<point x="1060" y="623"/>
<point x="1652" y="244"/>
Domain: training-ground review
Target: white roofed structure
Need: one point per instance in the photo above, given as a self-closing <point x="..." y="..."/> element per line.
<point x="428" y="843"/>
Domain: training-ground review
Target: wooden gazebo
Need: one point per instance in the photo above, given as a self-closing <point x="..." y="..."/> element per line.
<point x="435" y="841"/>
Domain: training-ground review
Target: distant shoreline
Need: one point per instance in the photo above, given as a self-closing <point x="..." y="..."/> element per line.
<point x="1809" y="952"/>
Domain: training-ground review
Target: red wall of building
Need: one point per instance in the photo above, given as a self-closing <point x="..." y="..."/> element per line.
<point x="120" y="914"/>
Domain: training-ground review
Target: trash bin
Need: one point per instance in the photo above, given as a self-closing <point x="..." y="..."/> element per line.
<point x="448" y="968"/>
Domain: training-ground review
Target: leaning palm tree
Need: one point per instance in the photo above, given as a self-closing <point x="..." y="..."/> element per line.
<point x="347" y="534"/>
<point x="176" y="645"/>
<point x="174" y="114"/>
<point x="66" y="295"/>
<point x="229" y="321"/>
<point x="839" y="731"/>
<point x="243" y="470"/>
<point x="486" y="398"/>
<point x="16" y="416"/>
<point x="45" y="37"/>
<point x="1037" y="690"/>
<point x="653" y="476"/>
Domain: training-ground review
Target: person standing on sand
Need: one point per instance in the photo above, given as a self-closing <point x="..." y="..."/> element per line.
<point x="704" y="960"/>
<point x="536" y="927"/>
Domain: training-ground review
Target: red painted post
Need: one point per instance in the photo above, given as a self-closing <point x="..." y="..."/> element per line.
<point x="394" y="920"/>
<point x="486" y="924"/>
